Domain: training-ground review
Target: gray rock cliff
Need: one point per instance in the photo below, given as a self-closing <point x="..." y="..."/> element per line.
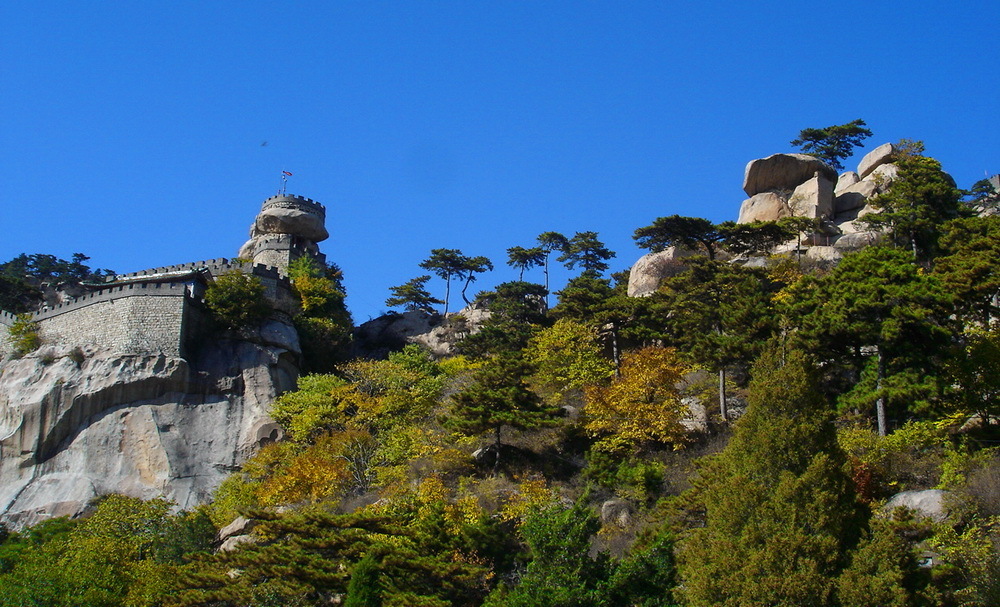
<point x="75" y="425"/>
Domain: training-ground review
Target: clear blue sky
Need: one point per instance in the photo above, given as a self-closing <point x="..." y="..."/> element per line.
<point x="133" y="131"/>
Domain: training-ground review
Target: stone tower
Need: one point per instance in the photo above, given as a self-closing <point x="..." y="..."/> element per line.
<point x="287" y="227"/>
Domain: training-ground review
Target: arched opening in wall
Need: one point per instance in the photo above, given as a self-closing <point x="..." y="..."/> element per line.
<point x="267" y="433"/>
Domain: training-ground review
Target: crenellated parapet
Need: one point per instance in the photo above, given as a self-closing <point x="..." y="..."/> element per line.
<point x="7" y="319"/>
<point x="214" y="267"/>
<point x="194" y="265"/>
<point x="144" y="289"/>
<point x="291" y="201"/>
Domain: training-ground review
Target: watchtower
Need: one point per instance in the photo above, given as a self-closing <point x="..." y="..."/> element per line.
<point x="287" y="227"/>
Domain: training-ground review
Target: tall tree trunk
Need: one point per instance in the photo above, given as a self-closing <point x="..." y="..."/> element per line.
<point x="723" y="405"/>
<point x="880" y="402"/>
<point x="616" y="354"/>
<point x="546" y="282"/>
<point x="447" y="293"/>
<point x="496" y="459"/>
<point x="466" y="286"/>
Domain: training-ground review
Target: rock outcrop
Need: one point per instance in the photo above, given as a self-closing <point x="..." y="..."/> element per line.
<point x="75" y="425"/>
<point x="287" y="227"/>
<point x="783" y="172"/>
<point x="647" y="273"/>
<point x="765" y="206"/>
<point x="932" y="504"/>
<point x="798" y="185"/>
<point x="390" y="332"/>
<point x="881" y="155"/>
<point x="134" y="392"/>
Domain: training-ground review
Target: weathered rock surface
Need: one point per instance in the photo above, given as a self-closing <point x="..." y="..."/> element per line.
<point x="927" y="503"/>
<point x="813" y="198"/>
<point x="882" y="176"/>
<point x="765" y="206"/>
<point x="846" y="180"/>
<point x="783" y="172"/>
<point x="291" y="221"/>
<point x="854" y="196"/>
<point x="390" y="332"/>
<point x="236" y="533"/>
<point x="854" y="241"/>
<point x="875" y="158"/>
<point x="647" y="273"/>
<point x="150" y="425"/>
<point x="824" y="253"/>
<point x="617" y="512"/>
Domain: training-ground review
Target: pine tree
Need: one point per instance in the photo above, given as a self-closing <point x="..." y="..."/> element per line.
<point x="412" y="295"/>
<point x="523" y="259"/>
<point x="584" y="249"/>
<point x="561" y="572"/>
<point x="364" y="589"/>
<point x="918" y="202"/>
<point x="833" y="143"/>
<point x="720" y="314"/>
<point x="499" y="397"/>
<point x="879" y="314"/>
<point x="779" y="508"/>
<point x="445" y="263"/>
<point x="690" y="232"/>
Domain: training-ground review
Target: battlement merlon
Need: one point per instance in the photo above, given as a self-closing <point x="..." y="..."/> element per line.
<point x="7" y="319"/>
<point x="291" y="201"/>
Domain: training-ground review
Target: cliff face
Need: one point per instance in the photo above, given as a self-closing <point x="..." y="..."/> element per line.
<point x="79" y="423"/>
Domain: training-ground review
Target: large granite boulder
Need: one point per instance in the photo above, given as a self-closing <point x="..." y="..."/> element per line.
<point x="646" y="274"/>
<point x="852" y="241"/>
<point x="824" y="253"/>
<point x="783" y="172"/>
<point x="883" y="175"/>
<point x="881" y="155"/>
<point x="280" y="220"/>
<point x="854" y="196"/>
<point x="765" y="206"/>
<point x="927" y="503"/>
<point x="390" y="332"/>
<point x="813" y="198"/>
<point x="845" y="181"/>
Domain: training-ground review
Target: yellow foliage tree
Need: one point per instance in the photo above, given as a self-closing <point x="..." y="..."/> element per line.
<point x="643" y="405"/>
<point x="326" y="469"/>
<point x="567" y="356"/>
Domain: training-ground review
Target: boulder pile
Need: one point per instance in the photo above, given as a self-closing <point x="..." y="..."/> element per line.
<point x="797" y="185"/>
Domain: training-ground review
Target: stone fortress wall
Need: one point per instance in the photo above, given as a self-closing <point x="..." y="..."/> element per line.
<point x="161" y="309"/>
<point x="6" y="320"/>
<point x="134" y="318"/>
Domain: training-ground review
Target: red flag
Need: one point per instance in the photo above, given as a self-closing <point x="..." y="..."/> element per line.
<point x="286" y="173"/>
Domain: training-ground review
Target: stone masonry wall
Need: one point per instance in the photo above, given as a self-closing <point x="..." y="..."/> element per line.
<point x="147" y="318"/>
<point x="6" y="320"/>
<point x="132" y="317"/>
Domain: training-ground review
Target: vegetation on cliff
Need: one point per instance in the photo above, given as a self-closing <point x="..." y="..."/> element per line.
<point x="729" y="440"/>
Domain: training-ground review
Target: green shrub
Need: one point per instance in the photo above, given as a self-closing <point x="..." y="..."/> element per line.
<point x="632" y="478"/>
<point x="237" y="300"/>
<point x="24" y="335"/>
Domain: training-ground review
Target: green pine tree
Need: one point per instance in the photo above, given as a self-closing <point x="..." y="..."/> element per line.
<point x="779" y="508"/>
